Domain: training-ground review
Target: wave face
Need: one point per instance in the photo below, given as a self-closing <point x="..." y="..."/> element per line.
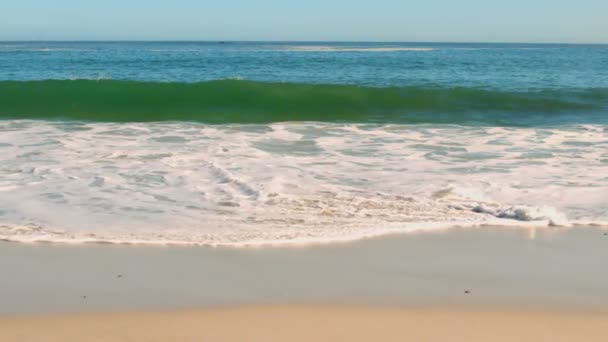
<point x="237" y="101"/>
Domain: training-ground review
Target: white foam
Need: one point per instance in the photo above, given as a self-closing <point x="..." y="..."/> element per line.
<point x="39" y="49"/>
<point x="328" y="48"/>
<point x="291" y="183"/>
<point x="527" y="213"/>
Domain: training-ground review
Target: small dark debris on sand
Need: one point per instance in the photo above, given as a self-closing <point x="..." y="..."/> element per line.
<point x="467" y="292"/>
<point x="119" y="276"/>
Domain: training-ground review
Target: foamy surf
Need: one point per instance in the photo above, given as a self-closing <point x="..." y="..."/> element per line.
<point x="329" y="48"/>
<point x="291" y="183"/>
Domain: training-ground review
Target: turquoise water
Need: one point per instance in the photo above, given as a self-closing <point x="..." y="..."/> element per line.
<point x="240" y="101"/>
<point x="229" y="143"/>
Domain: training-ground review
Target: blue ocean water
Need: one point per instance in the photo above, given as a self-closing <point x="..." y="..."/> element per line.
<point x="490" y="66"/>
<point x="253" y="143"/>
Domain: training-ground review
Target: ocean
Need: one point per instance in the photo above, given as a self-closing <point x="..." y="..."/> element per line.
<point x="274" y="143"/>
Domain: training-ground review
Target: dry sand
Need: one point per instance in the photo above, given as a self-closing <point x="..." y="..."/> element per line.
<point x="311" y="323"/>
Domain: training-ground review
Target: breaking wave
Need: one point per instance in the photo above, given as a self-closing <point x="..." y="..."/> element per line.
<point x="240" y="101"/>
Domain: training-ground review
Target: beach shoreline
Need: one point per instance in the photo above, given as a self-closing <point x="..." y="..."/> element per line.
<point x="302" y="191"/>
<point x="458" y="285"/>
<point x="490" y="268"/>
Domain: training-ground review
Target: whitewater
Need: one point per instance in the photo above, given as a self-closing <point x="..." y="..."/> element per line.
<point x="291" y="183"/>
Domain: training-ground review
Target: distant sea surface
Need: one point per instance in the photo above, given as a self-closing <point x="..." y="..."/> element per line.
<point x="255" y="143"/>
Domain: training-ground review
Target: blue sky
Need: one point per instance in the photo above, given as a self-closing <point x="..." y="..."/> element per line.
<point x="573" y="21"/>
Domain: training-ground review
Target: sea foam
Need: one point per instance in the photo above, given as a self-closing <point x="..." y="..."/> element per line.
<point x="291" y="183"/>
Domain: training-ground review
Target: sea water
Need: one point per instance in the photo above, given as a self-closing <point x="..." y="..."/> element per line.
<point x="226" y="143"/>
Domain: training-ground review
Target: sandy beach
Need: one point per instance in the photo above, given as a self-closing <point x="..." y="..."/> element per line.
<point x="458" y="285"/>
<point x="312" y="323"/>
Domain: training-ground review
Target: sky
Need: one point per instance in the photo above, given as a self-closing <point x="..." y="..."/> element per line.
<point x="564" y="21"/>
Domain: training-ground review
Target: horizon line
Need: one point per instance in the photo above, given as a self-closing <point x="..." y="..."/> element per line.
<point x="285" y="41"/>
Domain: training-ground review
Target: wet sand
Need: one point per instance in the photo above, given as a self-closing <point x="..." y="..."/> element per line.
<point x="486" y="281"/>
